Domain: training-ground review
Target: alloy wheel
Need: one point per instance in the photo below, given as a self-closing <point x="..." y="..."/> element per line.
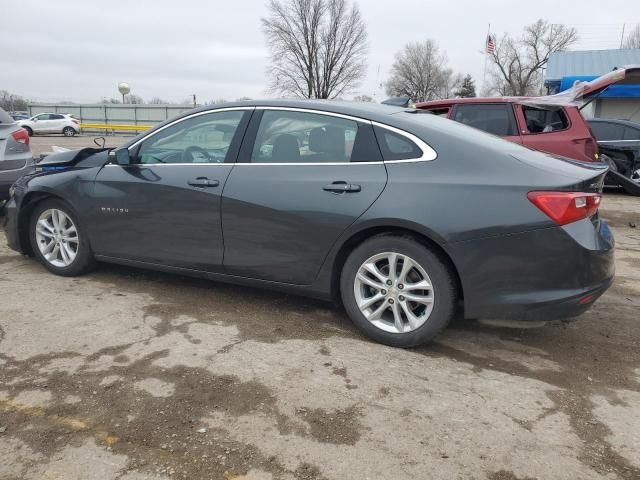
<point x="394" y="292"/>
<point x="57" y="237"/>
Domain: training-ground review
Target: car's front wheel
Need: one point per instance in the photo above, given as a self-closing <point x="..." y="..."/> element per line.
<point x="58" y="241"/>
<point x="397" y="291"/>
<point x="68" y="131"/>
<point x="29" y="131"/>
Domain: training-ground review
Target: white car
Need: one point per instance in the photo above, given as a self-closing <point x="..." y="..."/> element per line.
<point x="51" y="123"/>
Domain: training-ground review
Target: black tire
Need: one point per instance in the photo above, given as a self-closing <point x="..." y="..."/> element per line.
<point x="83" y="262"/>
<point x="444" y="289"/>
<point x="29" y="131"/>
<point x="69" y="131"/>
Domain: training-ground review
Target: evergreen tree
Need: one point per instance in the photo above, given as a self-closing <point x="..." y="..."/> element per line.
<point x="467" y="87"/>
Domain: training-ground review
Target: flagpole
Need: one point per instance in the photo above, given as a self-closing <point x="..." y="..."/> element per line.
<point x="486" y="54"/>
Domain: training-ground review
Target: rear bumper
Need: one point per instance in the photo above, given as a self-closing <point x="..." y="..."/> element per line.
<point x="544" y="274"/>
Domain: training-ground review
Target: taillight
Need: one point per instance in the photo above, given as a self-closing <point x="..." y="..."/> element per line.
<point x="591" y="147"/>
<point x="75" y="121"/>
<point x="566" y="207"/>
<point x="21" y="136"/>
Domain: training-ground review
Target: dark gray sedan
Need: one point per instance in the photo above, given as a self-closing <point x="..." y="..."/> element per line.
<point x="403" y="217"/>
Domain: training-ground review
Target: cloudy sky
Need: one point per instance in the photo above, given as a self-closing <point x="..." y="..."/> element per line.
<point x="79" y="50"/>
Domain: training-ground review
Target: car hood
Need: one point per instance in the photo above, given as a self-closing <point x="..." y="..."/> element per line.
<point x="84" y="157"/>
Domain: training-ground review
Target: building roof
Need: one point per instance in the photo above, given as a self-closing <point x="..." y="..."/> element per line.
<point x="589" y="62"/>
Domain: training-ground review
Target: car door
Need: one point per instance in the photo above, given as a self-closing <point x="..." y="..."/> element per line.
<point x="302" y="178"/>
<point x="495" y="118"/>
<point x="41" y="123"/>
<point x="164" y="208"/>
<point x="56" y="123"/>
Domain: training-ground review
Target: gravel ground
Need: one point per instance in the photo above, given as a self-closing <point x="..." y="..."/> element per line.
<point x="127" y="374"/>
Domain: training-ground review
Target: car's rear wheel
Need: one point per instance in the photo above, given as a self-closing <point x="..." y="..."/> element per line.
<point x="397" y="291"/>
<point x="29" y="131"/>
<point x="69" y="131"/>
<point x="58" y="241"/>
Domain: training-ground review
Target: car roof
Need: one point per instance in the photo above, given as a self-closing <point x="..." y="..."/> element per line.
<point x="627" y="123"/>
<point x="367" y="110"/>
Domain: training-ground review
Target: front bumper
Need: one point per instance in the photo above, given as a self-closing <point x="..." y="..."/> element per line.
<point x="9" y="216"/>
<point x="544" y="274"/>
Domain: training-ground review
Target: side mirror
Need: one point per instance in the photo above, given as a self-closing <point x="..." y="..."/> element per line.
<point x="120" y="157"/>
<point x="34" y="119"/>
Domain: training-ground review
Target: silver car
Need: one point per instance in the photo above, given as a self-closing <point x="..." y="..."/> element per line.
<point x="15" y="154"/>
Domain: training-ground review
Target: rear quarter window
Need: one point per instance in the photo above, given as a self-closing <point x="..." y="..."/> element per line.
<point x="544" y="120"/>
<point x="395" y="146"/>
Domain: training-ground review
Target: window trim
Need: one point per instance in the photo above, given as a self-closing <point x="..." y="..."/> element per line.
<point x="428" y="153"/>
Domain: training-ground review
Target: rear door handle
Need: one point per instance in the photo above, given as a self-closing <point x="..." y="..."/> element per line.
<point x="203" y="182"/>
<point x="342" y="187"/>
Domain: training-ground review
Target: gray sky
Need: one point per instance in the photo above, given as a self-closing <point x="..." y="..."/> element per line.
<point x="79" y="50"/>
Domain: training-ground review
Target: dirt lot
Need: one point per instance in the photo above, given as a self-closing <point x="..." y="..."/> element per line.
<point x="126" y="374"/>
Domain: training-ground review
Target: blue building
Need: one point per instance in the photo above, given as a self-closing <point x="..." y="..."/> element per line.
<point x="618" y="101"/>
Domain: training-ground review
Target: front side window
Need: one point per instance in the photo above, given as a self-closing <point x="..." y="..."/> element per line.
<point x="491" y="118"/>
<point x="42" y="116"/>
<point x="544" y="120"/>
<point x="201" y="139"/>
<point x="300" y="137"/>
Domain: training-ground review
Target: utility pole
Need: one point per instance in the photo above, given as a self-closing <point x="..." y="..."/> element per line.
<point x="194" y="100"/>
<point x="622" y="36"/>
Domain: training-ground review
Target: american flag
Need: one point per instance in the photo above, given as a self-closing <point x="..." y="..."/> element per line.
<point x="491" y="44"/>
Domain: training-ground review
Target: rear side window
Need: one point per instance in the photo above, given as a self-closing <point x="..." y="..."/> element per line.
<point x="395" y="146"/>
<point x="607" y="131"/>
<point x="300" y="137"/>
<point x="54" y="116"/>
<point x="492" y="118"/>
<point x="544" y="120"/>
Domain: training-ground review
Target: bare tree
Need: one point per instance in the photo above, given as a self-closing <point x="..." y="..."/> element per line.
<point x="633" y="39"/>
<point x="12" y="102"/>
<point x="518" y="63"/>
<point x="157" y="101"/>
<point x="420" y="71"/>
<point x="363" y="98"/>
<point x="318" y="47"/>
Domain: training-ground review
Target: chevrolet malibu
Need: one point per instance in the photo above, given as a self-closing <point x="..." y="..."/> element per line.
<point x="401" y="216"/>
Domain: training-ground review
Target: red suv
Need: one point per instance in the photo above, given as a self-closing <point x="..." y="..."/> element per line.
<point x="555" y="129"/>
<point x="552" y="124"/>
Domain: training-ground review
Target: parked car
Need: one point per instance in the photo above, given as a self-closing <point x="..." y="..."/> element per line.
<point x="51" y="123"/>
<point x="19" y="116"/>
<point x="619" y="140"/>
<point x="560" y="130"/>
<point x="15" y="153"/>
<point x="412" y="218"/>
<point x="550" y="124"/>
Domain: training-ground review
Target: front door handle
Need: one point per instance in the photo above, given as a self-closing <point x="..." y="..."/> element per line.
<point x="342" y="187"/>
<point x="203" y="182"/>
